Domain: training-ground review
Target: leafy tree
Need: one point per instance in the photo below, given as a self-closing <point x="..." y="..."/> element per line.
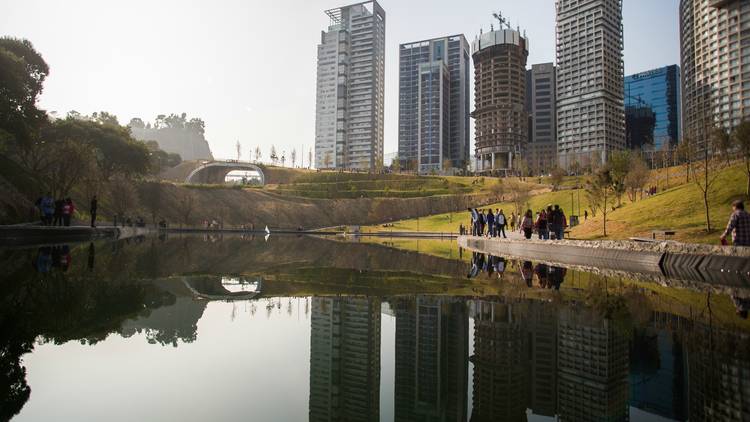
<point x="105" y="118"/>
<point x="396" y="164"/>
<point x="137" y="123"/>
<point x="22" y="75"/>
<point x="71" y="162"/>
<point x="741" y="137"/>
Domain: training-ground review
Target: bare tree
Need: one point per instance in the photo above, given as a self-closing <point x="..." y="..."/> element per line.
<point x="151" y="199"/>
<point x="599" y="190"/>
<point x="124" y="197"/>
<point x="258" y="154"/>
<point x="706" y="169"/>
<point x="741" y="137"/>
<point x="309" y="158"/>
<point x="294" y="157"/>
<point x="186" y="207"/>
<point x="238" y="147"/>
<point x="637" y="176"/>
<point x="274" y="157"/>
<point x="556" y="177"/>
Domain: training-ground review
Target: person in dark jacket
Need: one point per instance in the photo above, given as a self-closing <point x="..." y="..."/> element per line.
<point x="490" y="224"/>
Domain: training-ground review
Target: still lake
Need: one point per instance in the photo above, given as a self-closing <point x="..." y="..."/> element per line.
<point x="230" y="328"/>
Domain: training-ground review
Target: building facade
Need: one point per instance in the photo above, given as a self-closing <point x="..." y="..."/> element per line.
<point x="541" y="150"/>
<point x="501" y="127"/>
<point x="349" y="128"/>
<point x="345" y="359"/>
<point x="590" y="110"/>
<point x="657" y="90"/>
<point x="715" y="64"/>
<point x="433" y="118"/>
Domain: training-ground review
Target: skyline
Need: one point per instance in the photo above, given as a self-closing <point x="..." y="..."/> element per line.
<point x="165" y="58"/>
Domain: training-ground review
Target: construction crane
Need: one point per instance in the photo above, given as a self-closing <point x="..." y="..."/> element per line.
<point x="501" y="20"/>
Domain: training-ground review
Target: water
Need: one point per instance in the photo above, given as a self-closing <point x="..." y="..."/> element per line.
<point x="212" y="328"/>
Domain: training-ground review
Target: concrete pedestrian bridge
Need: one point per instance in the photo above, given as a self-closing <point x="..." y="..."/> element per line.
<point x="223" y="288"/>
<point x="214" y="172"/>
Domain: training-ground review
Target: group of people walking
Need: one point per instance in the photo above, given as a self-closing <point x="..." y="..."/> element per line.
<point x="489" y="224"/>
<point x="55" y="212"/>
<point x="549" y="223"/>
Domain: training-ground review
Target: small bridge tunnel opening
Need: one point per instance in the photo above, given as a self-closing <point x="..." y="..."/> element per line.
<point x="227" y="172"/>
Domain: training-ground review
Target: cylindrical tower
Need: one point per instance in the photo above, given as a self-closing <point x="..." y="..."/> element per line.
<point x="501" y="127"/>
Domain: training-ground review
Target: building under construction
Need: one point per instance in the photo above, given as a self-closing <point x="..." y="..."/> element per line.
<point x="501" y="128"/>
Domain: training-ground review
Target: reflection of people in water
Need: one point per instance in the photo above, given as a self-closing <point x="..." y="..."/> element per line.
<point x="43" y="261"/>
<point x="500" y="267"/>
<point x="542" y="275"/>
<point x="477" y="260"/>
<point x="527" y="272"/>
<point x="92" y="253"/>
<point x="741" y="305"/>
<point x="61" y="257"/>
<point x="557" y="276"/>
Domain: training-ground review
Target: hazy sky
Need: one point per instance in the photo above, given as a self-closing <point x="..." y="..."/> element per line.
<point x="248" y="67"/>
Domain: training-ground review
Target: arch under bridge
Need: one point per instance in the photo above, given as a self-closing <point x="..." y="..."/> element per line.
<point x="215" y="172"/>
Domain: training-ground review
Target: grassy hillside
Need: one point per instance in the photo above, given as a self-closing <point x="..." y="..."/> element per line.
<point x="679" y="208"/>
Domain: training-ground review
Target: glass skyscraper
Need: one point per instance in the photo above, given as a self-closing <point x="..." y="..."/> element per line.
<point x="655" y="92"/>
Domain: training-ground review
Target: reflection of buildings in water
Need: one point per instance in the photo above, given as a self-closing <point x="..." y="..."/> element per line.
<point x="500" y="361"/>
<point x="432" y="337"/>
<point x="592" y="368"/>
<point x="345" y="359"/>
<point x="542" y="323"/>
<point x="657" y="382"/>
<point x="168" y="324"/>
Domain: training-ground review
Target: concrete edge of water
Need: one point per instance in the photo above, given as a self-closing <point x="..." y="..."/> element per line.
<point x="702" y="263"/>
<point x="41" y="235"/>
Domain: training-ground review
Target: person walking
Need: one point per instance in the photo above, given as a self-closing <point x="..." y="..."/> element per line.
<point x="738" y="226"/>
<point x="585" y="215"/>
<point x="67" y="211"/>
<point x="501" y="222"/>
<point x="490" y="223"/>
<point x="527" y="224"/>
<point x="554" y="221"/>
<point x="482" y="222"/>
<point x="92" y="210"/>
<point x="542" y="225"/>
<point x="562" y="223"/>
<point x="57" y="218"/>
<point x="512" y="221"/>
<point x="47" y="205"/>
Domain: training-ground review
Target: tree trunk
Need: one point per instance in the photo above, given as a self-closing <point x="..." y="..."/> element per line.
<point x="705" y="204"/>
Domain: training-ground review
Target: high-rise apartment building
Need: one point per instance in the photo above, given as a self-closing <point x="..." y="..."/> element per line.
<point x="432" y="351"/>
<point x="654" y="93"/>
<point x="350" y="88"/>
<point x="501" y="128"/>
<point x="715" y="64"/>
<point x="541" y="150"/>
<point x="433" y="114"/>
<point x="590" y="111"/>
<point x="345" y="359"/>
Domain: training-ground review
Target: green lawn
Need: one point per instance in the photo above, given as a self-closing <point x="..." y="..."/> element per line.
<point x="679" y="208"/>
